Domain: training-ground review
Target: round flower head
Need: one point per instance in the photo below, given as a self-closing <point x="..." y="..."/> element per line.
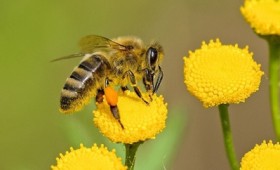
<point x="263" y="16"/>
<point x="264" y="156"/>
<point x="141" y="121"/>
<point x="221" y="74"/>
<point x="94" y="158"/>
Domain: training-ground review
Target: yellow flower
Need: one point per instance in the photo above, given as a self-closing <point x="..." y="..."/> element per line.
<point x="221" y="74"/>
<point x="140" y="121"/>
<point x="263" y="16"/>
<point x="94" y="158"/>
<point x="264" y="156"/>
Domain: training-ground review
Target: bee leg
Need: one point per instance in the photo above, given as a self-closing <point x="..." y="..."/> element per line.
<point x="148" y="81"/>
<point x="112" y="100"/>
<point x="124" y="88"/>
<point x="134" y="85"/>
<point x="115" y="112"/>
<point x="159" y="79"/>
<point x="148" y="88"/>
<point x="99" y="96"/>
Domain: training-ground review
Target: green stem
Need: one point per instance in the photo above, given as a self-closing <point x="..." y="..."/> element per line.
<point x="274" y="61"/>
<point x="223" y="109"/>
<point x="130" y="151"/>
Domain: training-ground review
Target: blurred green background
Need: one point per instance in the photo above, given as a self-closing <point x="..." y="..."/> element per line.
<point x="32" y="33"/>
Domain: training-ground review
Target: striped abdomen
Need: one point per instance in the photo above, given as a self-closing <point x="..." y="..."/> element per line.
<point x="82" y="84"/>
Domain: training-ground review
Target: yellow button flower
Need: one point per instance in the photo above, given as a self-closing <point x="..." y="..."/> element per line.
<point x="94" y="158"/>
<point x="221" y="74"/>
<point x="263" y="16"/>
<point x="264" y="156"/>
<point x="140" y="121"/>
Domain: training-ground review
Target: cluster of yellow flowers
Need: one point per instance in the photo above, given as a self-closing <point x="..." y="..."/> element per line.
<point x="263" y="17"/>
<point x="141" y="122"/>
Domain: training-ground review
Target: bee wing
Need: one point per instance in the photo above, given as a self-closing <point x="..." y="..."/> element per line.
<point x="91" y="42"/>
<point x="69" y="56"/>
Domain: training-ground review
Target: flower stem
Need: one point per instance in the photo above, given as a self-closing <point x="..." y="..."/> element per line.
<point x="223" y="109"/>
<point x="130" y="154"/>
<point x="274" y="61"/>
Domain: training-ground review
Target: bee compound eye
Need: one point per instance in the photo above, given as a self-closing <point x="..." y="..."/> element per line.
<point x="152" y="55"/>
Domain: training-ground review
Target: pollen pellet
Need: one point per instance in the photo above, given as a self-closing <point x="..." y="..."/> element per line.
<point x="111" y="96"/>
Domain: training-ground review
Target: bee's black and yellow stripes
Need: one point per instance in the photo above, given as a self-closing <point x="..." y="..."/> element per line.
<point x="82" y="84"/>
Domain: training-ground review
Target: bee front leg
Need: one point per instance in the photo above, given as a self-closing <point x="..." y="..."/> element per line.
<point x="134" y="85"/>
<point x="148" y="81"/>
<point x="159" y="79"/>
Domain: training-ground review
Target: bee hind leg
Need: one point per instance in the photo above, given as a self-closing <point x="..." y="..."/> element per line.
<point x="112" y="100"/>
<point x="115" y="112"/>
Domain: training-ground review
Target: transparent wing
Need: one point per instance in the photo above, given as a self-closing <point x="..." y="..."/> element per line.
<point x="91" y="42"/>
<point x="69" y="56"/>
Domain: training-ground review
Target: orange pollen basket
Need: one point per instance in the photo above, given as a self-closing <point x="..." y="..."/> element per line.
<point x="111" y="96"/>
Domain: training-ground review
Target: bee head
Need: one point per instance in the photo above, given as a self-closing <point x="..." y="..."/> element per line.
<point x="153" y="56"/>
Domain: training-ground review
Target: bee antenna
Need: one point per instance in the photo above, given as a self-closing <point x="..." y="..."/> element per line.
<point x="68" y="57"/>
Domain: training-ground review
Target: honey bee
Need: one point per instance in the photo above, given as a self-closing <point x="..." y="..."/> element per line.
<point x="109" y="63"/>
